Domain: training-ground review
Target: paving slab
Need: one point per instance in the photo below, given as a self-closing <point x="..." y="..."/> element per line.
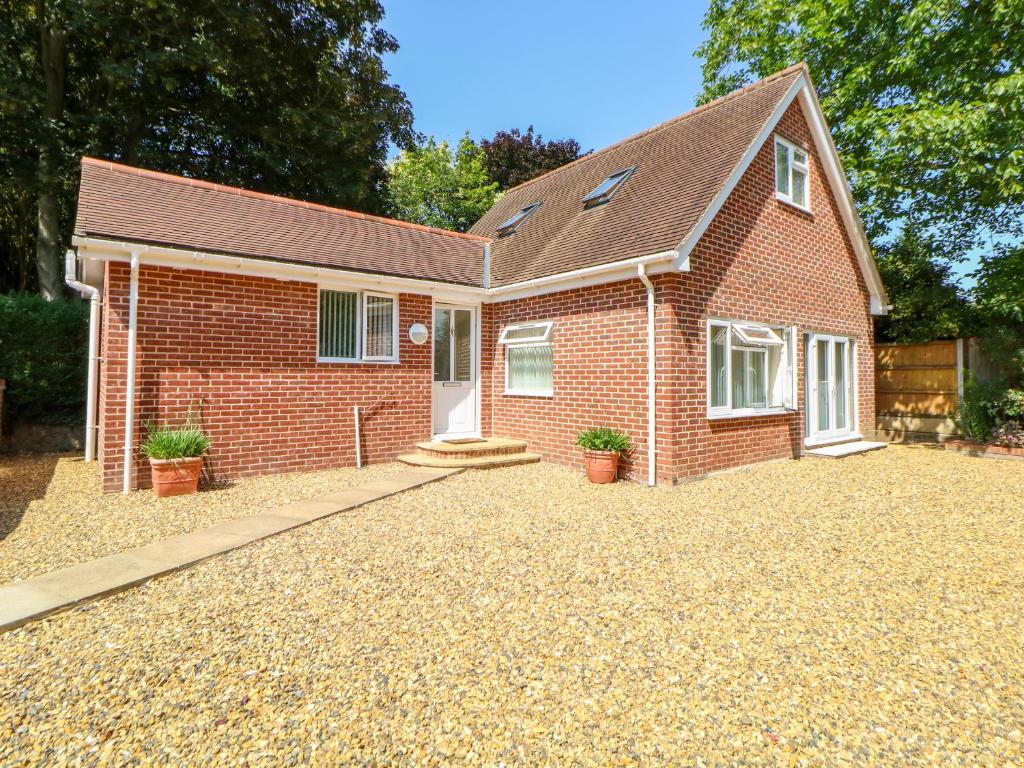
<point x="842" y="450"/>
<point x="34" y="598"/>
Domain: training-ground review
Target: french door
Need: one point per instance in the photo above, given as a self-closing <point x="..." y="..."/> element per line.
<point x="830" y="387"/>
<point x="455" y="360"/>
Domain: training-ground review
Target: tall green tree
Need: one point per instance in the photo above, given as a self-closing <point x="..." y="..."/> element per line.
<point x="925" y="99"/>
<point x="926" y="301"/>
<point x="283" y="96"/>
<point x="512" y="157"/>
<point x="429" y="184"/>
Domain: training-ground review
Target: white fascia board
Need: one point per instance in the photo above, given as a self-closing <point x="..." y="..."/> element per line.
<point x="160" y="256"/>
<point x="655" y="263"/>
<point x="802" y="88"/>
<point x="716" y="204"/>
<point x="844" y="196"/>
<point x="151" y="255"/>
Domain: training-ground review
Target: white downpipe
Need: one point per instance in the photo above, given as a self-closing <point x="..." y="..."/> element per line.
<point x="129" y="405"/>
<point x="95" y="297"/>
<point x="359" y="450"/>
<point x="651" y="420"/>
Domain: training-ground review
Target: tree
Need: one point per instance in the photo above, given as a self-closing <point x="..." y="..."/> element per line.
<point x="925" y="99"/>
<point x="926" y="302"/>
<point x="512" y="158"/>
<point x="999" y="287"/>
<point x="282" y="96"/>
<point x="428" y="185"/>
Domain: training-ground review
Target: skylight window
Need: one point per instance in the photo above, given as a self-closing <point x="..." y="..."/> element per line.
<point x="515" y="221"/>
<point x="604" y="191"/>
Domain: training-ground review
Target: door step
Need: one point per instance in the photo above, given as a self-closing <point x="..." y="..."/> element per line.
<point x="489" y="453"/>
<point x="842" y="450"/>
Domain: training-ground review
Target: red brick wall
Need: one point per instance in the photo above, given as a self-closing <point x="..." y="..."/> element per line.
<point x="760" y="260"/>
<point x="244" y="351"/>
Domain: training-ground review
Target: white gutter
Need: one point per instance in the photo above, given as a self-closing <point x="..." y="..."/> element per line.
<point x="651" y="420"/>
<point x="161" y="256"/>
<point x="95" y="298"/>
<point x="129" y="405"/>
<point x="576" y="274"/>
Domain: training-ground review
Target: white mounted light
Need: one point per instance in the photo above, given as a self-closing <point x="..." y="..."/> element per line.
<point x="418" y="333"/>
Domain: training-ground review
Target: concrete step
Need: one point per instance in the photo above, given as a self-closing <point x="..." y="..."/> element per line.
<point x="492" y="446"/>
<point x="471" y="462"/>
<point x="841" y="450"/>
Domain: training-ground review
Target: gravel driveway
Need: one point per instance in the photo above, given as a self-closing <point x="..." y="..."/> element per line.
<point x="52" y="513"/>
<point x="865" y="611"/>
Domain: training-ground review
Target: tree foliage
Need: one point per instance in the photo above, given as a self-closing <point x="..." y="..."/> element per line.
<point x="43" y="350"/>
<point x="512" y="157"/>
<point x="925" y="99"/>
<point x="283" y="96"/>
<point x="926" y="301"/>
<point x="431" y="185"/>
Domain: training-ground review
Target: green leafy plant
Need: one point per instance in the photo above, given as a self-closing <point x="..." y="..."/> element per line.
<point x="185" y="442"/>
<point x="604" y="439"/>
<point x="43" y="358"/>
<point x="975" y="413"/>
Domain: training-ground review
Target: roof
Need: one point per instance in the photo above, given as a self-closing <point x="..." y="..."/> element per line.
<point x="125" y="203"/>
<point x="681" y="166"/>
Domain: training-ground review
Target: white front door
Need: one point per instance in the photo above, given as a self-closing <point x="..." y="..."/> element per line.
<point x="455" y="364"/>
<point x="830" y="391"/>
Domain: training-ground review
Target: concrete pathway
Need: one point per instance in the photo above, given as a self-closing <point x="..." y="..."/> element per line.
<point x="33" y="598"/>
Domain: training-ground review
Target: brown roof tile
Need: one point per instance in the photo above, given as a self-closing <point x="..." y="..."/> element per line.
<point x="680" y="167"/>
<point x="121" y="202"/>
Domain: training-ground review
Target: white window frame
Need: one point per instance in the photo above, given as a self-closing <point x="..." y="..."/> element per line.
<point x="361" y="330"/>
<point x="542" y="338"/>
<point x="786" y="338"/>
<point x="791" y="162"/>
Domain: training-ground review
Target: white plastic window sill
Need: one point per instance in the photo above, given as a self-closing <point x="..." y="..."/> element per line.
<point x="789" y="201"/>
<point x="528" y="393"/>
<point x="745" y="413"/>
<point x="357" y="361"/>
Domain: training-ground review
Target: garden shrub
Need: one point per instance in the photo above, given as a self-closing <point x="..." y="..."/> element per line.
<point x="991" y="411"/>
<point x="43" y="356"/>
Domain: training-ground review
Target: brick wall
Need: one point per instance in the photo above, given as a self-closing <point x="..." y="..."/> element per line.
<point x="243" y="351"/>
<point x="760" y="260"/>
<point x="245" y="348"/>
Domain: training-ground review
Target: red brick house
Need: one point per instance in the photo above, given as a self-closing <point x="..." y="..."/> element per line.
<point x="705" y="285"/>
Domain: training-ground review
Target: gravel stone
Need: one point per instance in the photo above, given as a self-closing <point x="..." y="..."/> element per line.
<point x="52" y="513"/>
<point x="858" y="612"/>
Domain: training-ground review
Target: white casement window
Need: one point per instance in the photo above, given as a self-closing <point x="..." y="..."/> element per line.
<point x="751" y="368"/>
<point x="791" y="181"/>
<point x="356" y="327"/>
<point x="528" y="359"/>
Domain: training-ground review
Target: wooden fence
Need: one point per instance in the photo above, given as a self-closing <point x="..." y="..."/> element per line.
<point x="917" y="388"/>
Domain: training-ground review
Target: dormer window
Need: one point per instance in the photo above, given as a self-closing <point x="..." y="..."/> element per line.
<point x="515" y="221"/>
<point x="604" y="191"/>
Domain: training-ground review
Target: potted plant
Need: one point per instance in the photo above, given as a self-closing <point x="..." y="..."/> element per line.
<point x="602" y="448"/>
<point x="175" y="457"/>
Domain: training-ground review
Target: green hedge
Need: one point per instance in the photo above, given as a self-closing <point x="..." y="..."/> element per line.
<point x="43" y="357"/>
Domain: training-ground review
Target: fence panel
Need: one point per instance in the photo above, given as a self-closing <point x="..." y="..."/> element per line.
<point x="917" y="387"/>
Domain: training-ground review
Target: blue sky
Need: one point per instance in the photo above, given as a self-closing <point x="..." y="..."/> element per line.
<point x="594" y="71"/>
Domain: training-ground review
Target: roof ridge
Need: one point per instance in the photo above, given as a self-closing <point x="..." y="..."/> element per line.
<point x="802" y="65"/>
<point x="201" y="184"/>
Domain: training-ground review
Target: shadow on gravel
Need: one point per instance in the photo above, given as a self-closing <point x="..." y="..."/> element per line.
<point x="23" y="479"/>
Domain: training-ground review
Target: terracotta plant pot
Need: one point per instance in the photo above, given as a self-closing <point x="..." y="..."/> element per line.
<point x="602" y="466"/>
<point x="175" y="477"/>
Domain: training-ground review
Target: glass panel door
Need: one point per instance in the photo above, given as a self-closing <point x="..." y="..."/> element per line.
<point x="823" y="384"/>
<point x="839" y="368"/>
<point x="830" y="403"/>
<point x="454" y="388"/>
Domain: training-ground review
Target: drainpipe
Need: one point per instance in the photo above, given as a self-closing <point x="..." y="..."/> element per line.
<point x="95" y="298"/>
<point x="651" y="448"/>
<point x="129" y="405"/>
